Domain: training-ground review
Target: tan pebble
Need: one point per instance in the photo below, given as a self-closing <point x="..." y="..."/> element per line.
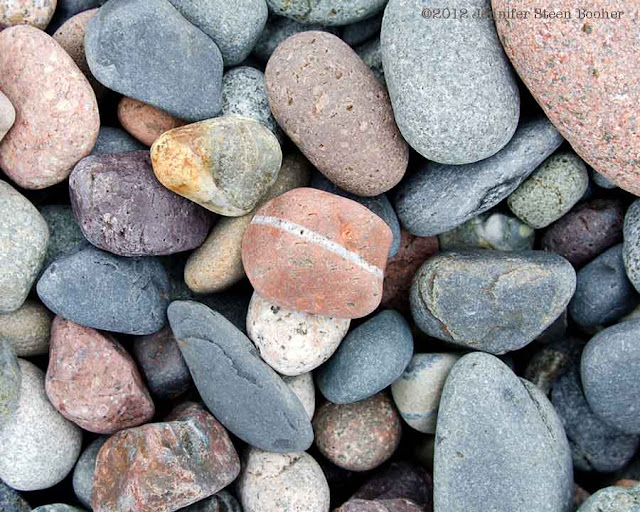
<point x="144" y="122"/>
<point x="37" y="13"/>
<point x="27" y="329"/>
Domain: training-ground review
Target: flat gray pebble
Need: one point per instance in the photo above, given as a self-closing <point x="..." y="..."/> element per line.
<point x="115" y="140"/>
<point x="84" y="471"/>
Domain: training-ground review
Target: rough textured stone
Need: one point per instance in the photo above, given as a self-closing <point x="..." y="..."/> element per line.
<point x="30" y="12"/>
<point x="219" y="502"/>
<point x="7" y="115"/>
<point x="65" y="235"/>
<point x="631" y="252"/>
<point x="11" y="501"/>
<point x="334" y="13"/>
<point x="370" y="358"/>
<point x="357" y="33"/>
<point x="115" y="140"/>
<point x="225" y="164"/>
<point x="486" y="410"/>
<point x="144" y="122"/>
<point x="490" y="300"/>
<point x="437" y="197"/>
<point x="132" y="47"/>
<point x="24" y="236"/>
<point x="228" y="371"/>
<point x="351" y="137"/>
<point x="164" y="466"/>
<point x="395" y="505"/>
<point x="327" y="254"/>
<point x="27" y="329"/>
<point x="57" y="118"/>
<point x="84" y="471"/>
<point x="613" y="499"/>
<point x="551" y="361"/>
<point x="303" y="387"/>
<point x="39" y="446"/>
<point x="133" y="297"/>
<point x="10" y="380"/>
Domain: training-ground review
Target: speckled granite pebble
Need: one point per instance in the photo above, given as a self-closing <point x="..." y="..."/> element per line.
<point x="27" y="329"/>
<point x="115" y="140"/>
<point x="7" y="115"/>
<point x="336" y="12"/>
<point x="11" y="501"/>
<point x="65" y="235"/>
<point x="17" y="12"/>
<point x="613" y="499"/>
<point x="84" y="471"/>
<point x="10" y="379"/>
<point x="303" y="387"/>
<point x="631" y="246"/>
<point x="144" y="122"/>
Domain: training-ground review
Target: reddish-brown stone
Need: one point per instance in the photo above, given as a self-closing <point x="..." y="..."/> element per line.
<point x="162" y="467"/>
<point x="93" y="381"/>
<point x="626" y="483"/>
<point x="316" y="252"/>
<point x="144" y="122"/>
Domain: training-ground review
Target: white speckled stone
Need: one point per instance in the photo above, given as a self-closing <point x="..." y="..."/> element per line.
<point x="303" y="387"/>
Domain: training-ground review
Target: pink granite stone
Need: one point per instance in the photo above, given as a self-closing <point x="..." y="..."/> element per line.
<point x="7" y="115"/>
<point x="31" y="12"/>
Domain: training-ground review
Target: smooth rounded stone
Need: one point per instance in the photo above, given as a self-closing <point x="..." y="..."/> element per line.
<point x="358" y="436"/>
<point x="225" y="164"/>
<point x="357" y="33"/>
<point x="613" y="499"/>
<point x="144" y="122"/>
<point x="54" y="103"/>
<point x="11" y="501"/>
<point x="333" y="13"/>
<point x="84" y="471"/>
<point x="452" y="107"/>
<point x="556" y="330"/>
<point x="492" y="301"/>
<point x="282" y="482"/>
<point x="486" y="410"/>
<point x="327" y="254"/>
<point x="10" y="381"/>
<point x="601" y="181"/>
<point x="165" y="466"/>
<point x="27" y="329"/>
<point x="132" y="47"/>
<point x="227" y="370"/>
<point x="39" y="446"/>
<point x="610" y="364"/>
<point x="439" y="197"/>
<point x="93" y="381"/>
<point x="603" y="294"/>
<point x="65" y="235"/>
<point x="351" y="137"/>
<point x="122" y="208"/>
<point x="233" y="26"/>
<point x="551" y="361"/>
<point x="7" y="115"/>
<point x="133" y="298"/>
<point x="292" y="342"/>
<point x="58" y="507"/>
<point x="37" y="13"/>
<point x="303" y="387"/>
<point x="115" y="140"/>
<point x="417" y="392"/>
<point x="219" y="502"/>
<point x="370" y="358"/>
<point x="24" y="237"/>
<point x="66" y="9"/>
<point x="631" y="247"/>
<point x="396" y="505"/>
<point x="371" y="53"/>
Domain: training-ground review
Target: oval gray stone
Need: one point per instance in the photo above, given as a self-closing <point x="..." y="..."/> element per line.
<point x="326" y="12"/>
<point x="613" y="499"/>
<point x="631" y="244"/>
<point x="115" y="140"/>
<point x="65" y="233"/>
<point x="84" y="471"/>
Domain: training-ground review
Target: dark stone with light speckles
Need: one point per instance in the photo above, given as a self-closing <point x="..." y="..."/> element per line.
<point x="11" y="501"/>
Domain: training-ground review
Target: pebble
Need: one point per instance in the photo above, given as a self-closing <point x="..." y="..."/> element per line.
<point x="551" y="361"/>
<point x="371" y="53"/>
<point x="454" y="107"/>
<point x="613" y="499"/>
<point x="144" y="122"/>
<point x="219" y="502"/>
<point x="282" y="482"/>
<point x="65" y="235"/>
<point x="66" y="9"/>
<point x="610" y="364"/>
<point x="122" y="208"/>
<point x="24" y="236"/>
<point x="58" y="507"/>
<point x="358" y="436"/>
<point x="335" y="13"/>
<point x="491" y="300"/>
<point x="165" y="466"/>
<point x="359" y="505"/>
<point x="115" y="140"/>
<point x="39" y="446"/>
<point x="27" y="329"/>
<point x="586" y="231"/>
<point x="132" y="47"/>
<point x="11" y="501"/>
<point x="601" y="181"/>
<point x="303" y="387"/>
<point x="225" y="164"/>
<point x="84" y="471"/>
<point x="370" y="358"/>
<point x="318" y="242"/>
<point x="351" y="137"/>
<point x="10" y="379"/>
<point x="7" y="115"/>
<point x="53" y="103"/>
<point x="228" y="371"/>
<point x="439" y="197"/>
<point x="631" y="247"/>
<point x="417" y="392"/>
<point x="357" y="33"/>
<point x="35" y="13"/>
<point x="603" y="291"/>
<point x="486" y="410"/>
<point x="133" y="291"/>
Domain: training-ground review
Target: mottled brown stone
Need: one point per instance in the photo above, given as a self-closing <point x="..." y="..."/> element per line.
<point x="144" y="122"/>
<point x="37" y="13"/>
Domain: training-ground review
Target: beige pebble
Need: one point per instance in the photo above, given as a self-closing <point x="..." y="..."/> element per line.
<point x="144" y="122"/>
<point x="27" y="329"/>
<point x="302" y="386"/>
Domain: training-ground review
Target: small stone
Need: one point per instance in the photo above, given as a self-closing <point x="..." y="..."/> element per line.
<point x="58" y="507"/>
<point x="628" y="484"/>
<point x="579" y="496"/>
<point x="369" y="359"/>
<point x="65" y="233"/>
<point x="613" y="499"/>
<point x="164" y="466"/>
<point x="358" y="436"/>
<point x="631" y="250"/>
<point x="84" y="471"/>
<point x="144" y="122"/>
<point x="10" y="380"/>
<point x="601" y="181"/>
<point x="282" y="482"/>
<point x="27" y="329"/>
<point x="219" y="502"/>
<point x="31" y="12"/>
<point x="66" y="9"/>
<point x="7" y="115"/>
<point x="417" y="392"/>
<point x="551" y="361"/>
<point x="397" y="505"/>
<point x="11" y="501"/>
<point x="556" y="330"/>
<point x="371" y="54"/>
<point x="39" y="446"/>
<point x="357" y="33"/>
<point x="303" y="387"/>
<point x="115" y="140"/>
<point x="337" y="12"/>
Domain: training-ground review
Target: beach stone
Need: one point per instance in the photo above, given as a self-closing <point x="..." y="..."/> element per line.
<point x="228" y="371"/>
<point x="556" y="330"/>
<point x="219" y="502"/>
<point x="144" y="122"/>
<point x="417" y="392"/>
<point x="335" y="13"/>
<point x="551" y="361"/>
<point x="84" y="471"/>
<point x="7" y="115"/>
<point x="282" y="482"/>
<point x="10" y="380"/>
<point x="631" y="247"/>
<point x="30" y="12"/>
<point x="131" y="48"/>
<point x="165" y="466"/>
<point x="327" y="254"/>
<point x="601" y="181"/>
<point x="610" y="361"/>
<point x="122" y="208"/>
<point x="358" y="436"/>
<point x="303" y="387"/>
<point x="39" y="446"/>
<point x="590" y="89"/>
<point x="489" y="230"/>
<point x="397" y="505"/>
<point x="439" y="197"/>
<point x="351" y="137"/>
<point x="115" y="140"/>
<point x="293" y="342"/>
<point x="66" y="9"/>
<point x="11" y="501"/>
<point x="24" y="237"/>
<point x="371" y="53"/>
<point x="613" y="499"/>
<point x="451" y="107"/>
<point x="53" y="103"/>
<point x="357" y="33"/>
<point x="65" y="235"/>
<point x="27" y="329"/>
<point x="225" y="164"/>
<point x="233" y="26"/>
<point x="58" y="507"/>
<point x="603" y="291"/>
<point x="370" y="358"/>
<point x="492" y="301"/>
<point x="133" y="291"/>
<point x="482" y="397"/>
<point x="586" y="231"/>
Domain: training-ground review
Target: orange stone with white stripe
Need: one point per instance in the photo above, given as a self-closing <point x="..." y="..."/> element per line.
<point x="316" y="252"/>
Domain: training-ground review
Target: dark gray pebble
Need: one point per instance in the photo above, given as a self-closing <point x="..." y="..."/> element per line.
<point x="84" y="471"/>
<point x="11" y="501"/>
<point x="115" y="140"/>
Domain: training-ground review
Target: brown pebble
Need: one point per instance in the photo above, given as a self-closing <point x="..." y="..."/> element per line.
<point x="626" y="483"/>
<point x="144" y="122"/>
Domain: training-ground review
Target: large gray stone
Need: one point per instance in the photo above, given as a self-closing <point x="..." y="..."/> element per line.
<point x="84" y="471"/>
<point x="613" y="499"/>
<point x="327" y="12"/>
